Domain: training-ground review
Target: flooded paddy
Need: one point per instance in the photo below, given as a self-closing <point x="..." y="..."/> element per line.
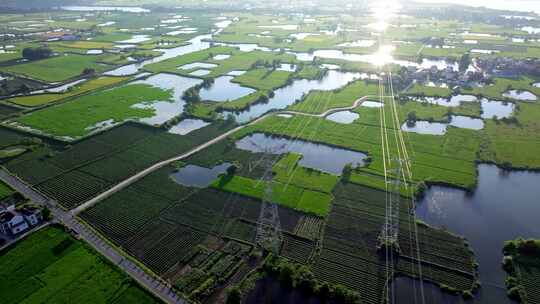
<point x="343" y="117"/>
<point x="358" y="43"/>
<point x="200" y="72"/>
<point x="199" y="177"/>
<point x="223" y="89"/>
<point x="59" y="89"/>
<point x="425" y="127"/>
<point x="453" y="101"/>
<point x="499" y="109"/>
<point x="371" y="104"/>
<point x="531" y="30"/>
<point x="136" y="39"/>
<point x="236" y="73"/>
<point x="520" y="95"/>
<point x="287" y="67"/>
<point x="94" y="52"/>
<point x="486" y="52"/>
<point x="302" y="36"/>
<point x="195" y="44"/>
<point x="316" y="156"/>
<point x="166" y="110"/>
<point x="503" y="207"/>
<point x="187" y="126"/>
<point x="196" y="65"/>
<point x="221" y="57"/>
<point x="465" y="122"/>
<point x="286" y="96"/>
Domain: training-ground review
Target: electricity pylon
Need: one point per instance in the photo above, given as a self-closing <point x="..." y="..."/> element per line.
<point x="269" y="234"/>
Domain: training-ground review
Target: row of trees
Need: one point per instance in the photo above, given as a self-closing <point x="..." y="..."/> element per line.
<point x="36" y="53"/>
<point x="300" y="276"/>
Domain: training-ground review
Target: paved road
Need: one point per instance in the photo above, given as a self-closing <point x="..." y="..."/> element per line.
<point x="164" y="163"/>
<point x="159" y="165"/>
<point x="154" y="284"/>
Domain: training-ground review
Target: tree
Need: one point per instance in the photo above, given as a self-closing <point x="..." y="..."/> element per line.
<point x="46" y="213"/>
<point x="411" y="119"/>
<point x="286" y="274"/>
<point x="232" y="170"/>
<point x="464" y="62"/>
<point x="89" y="71"/>
<point x="234" y="296"/>
<point x="36" y="53"/>
<point x="347" y="172"/>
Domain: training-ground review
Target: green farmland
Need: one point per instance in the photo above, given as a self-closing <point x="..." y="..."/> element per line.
<point x="272" y="152"/>
<point x="59" y="68"/>
<point x="51" y="266"/>
<point x="52" y="120"/>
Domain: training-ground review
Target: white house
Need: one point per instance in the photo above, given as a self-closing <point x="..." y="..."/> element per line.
<point x="32" y="215"/>
<point x="12" y="223"/>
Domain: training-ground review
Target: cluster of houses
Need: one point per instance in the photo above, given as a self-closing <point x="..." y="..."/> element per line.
<point x="14" y="221"/>
<point x="509" y="67"/>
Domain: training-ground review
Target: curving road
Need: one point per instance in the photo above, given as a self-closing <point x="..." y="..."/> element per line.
<point x="164" y="163"/>
<point x="154" y="284"/>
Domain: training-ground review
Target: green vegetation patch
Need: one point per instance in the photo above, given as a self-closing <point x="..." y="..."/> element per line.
<point x="263" y="79"/>
<point x="288" y="171"/>
<point x="287" y="195"/>
<point x="514" y="143"/>
<point x="522" y="263"/>
<point x="5" y="190"/>
<point x="58" y="68"/>
<point x="317" y="102"/>
<point x="50" y="266"/>
<point x="77" y="118"/>
<point x="501" y="85"/>
<point x="85" y="87"/>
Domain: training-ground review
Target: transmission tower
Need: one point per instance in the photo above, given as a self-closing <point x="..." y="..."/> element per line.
<point x="269" y="234"/>
<point x="388" y="237"/>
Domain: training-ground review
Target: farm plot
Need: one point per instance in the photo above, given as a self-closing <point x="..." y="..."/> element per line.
<point x="317" y="102"/>
<point x="288" y="171"/>
<point x="445" y="159"/>
<point x="5" y="190"/>
<point x="90" y="166"/>
<point x="290" y="196"/>
<point x="51" y="266"/>
<point x="522" y="264"/>
<point x="57" y="69"/>
<point x="352" y="233"/>
<point x="9" y="137"/>
<point x="85" y="114"/>
<point x="7" y="111"/>
<point x="85" y="87"/>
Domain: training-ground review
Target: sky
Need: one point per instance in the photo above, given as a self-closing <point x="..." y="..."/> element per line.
<point x="518" y="5"/>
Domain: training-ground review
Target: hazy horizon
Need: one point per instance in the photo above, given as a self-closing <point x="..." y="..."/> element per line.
<point x="523" y="5"/>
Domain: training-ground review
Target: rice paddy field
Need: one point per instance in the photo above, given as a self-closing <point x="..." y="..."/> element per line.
<point x="270" y="96"/>
<point x="51" y="266"/>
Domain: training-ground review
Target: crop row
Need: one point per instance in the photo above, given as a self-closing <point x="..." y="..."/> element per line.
<point x="148" y="236"/>
<point x="309" y="227"/>
<point x="121" y="215"/>
<point x="436" y="274"/>
<point x="369" y="286"/>
<point x="296" y="248"/>
<point x="73" y="188"/>
<point x="171" y="249"/>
